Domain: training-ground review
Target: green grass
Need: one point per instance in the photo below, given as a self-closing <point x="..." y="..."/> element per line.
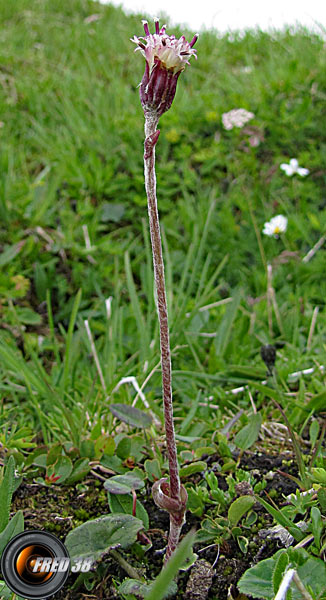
<point x="71" y="155"/>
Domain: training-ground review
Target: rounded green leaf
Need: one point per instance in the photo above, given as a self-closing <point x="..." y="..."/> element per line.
<point x="94" y="538"/>
<point x="123" y="503"/>
<point x="123" y="484"/>
<point x="153" y="469"/>
<point x="195" y="467"/>
<point x="80" y="470"/>
<point x="62" y="469"/>
<point x="239" y="508"/>
<point x="123" y="449"/>
<point x="258" y="580"/>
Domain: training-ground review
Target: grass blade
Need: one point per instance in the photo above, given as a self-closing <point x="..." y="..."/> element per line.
<point x="71" y="326"/>
<point x="6" y="492"/>
<point x="142" y="330"/>
<point x="224" y="331"/>
<point x="168" y="573"/>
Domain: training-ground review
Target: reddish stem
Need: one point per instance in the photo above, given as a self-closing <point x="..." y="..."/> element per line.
<point x="134" y="500"/>
<point x="151" y="137"/>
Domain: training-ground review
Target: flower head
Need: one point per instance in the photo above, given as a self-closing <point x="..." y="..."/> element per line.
<point x="276" y="226"/>
<point x="293" y="167"/>
<point x="166" y="57"/>
<point x="237" y="117"/>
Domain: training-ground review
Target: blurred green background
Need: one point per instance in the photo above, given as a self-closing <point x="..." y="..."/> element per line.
<point x="71" y="156"/>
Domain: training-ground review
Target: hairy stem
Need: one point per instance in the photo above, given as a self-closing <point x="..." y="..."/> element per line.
<point x="151" y="134"/>
<point x="151" y="137"/>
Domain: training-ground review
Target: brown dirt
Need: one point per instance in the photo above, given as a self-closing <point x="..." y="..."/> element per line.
<point x="59" y="509"/>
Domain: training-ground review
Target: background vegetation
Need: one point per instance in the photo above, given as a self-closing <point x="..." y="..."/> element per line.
<point x="71" y="155"/>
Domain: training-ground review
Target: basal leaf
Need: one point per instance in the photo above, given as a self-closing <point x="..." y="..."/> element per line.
<point x="316" y="525"/>
<point x="62" y="469"/>
<point x="239" y="508"/>
<point x="123" y="448"/>
<point x="123" y="484"/>
<point x="131" y="415"/>
<point x="313" y="575"/>
<point x="80" y="470"/>
<point x="6" y="491"/>
<point x="247" y="436"/>
<point x="113" y="462"/>
<point x="15" y="526"/>
<point x="243" y="543"/>
<point x="195" y="503"/>
<point x="153" y="469"/>
<point x="96" y="537"/>
<point x="195" y="467"/>
<point x="280" y="565"/>
<point x="124" y="504"/>
<point x="319" y="475"/>
<point x="257" y="581"/>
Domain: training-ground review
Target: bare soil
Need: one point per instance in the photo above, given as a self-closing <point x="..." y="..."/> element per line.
<point x="58" y="509"/>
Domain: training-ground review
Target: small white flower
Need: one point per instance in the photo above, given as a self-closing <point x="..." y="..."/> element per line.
<point x="237" y="117"/>
<point x="293" y="167"/>
<point x="275" y="226"/>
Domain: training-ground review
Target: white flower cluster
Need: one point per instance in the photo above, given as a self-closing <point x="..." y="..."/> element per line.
<point x="237" y="117"/>
<point x="293" y="167"/>
<point x="276" y="226"/>
<point x="279" y="223"/>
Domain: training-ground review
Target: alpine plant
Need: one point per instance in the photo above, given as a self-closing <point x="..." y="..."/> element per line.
<point x="165" y="59"/>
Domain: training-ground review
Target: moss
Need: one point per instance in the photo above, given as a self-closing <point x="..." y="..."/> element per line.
<point x="82" y="514"/>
